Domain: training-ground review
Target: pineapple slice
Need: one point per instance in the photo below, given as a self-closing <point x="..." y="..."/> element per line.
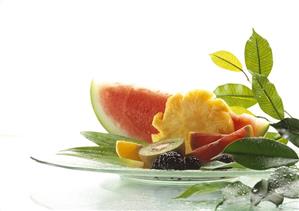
<point x="197" y="111"/>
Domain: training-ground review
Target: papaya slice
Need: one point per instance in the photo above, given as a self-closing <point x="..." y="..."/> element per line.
<point x="206" y="152"/>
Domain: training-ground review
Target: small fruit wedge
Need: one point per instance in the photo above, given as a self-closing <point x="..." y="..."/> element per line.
<point x="128" y="150"/>
<point x="198" y="139"/>
<point x="150" y="152"/>
<point x="260" y="126"/>
<point x="132" y="163"/>
<point x="207" y="152"/>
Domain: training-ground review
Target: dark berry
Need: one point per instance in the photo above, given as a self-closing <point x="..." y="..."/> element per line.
<point x="225" y="158"/>
<point x="169" y="160"/>
<point x="192" y="162"/>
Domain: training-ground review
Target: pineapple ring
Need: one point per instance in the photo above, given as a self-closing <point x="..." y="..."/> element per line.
<point x="197" y="111"/>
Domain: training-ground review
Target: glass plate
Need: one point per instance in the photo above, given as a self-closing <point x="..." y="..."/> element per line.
<point x="152" y="175"/>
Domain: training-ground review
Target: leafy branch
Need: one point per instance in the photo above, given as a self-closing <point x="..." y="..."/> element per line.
<point x="259" y="63"/>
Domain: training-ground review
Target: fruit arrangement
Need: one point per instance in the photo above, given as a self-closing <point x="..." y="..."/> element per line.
<point x="182" y="132"/>
<point x="155" y="130"/>
<point x="200" y="131"/>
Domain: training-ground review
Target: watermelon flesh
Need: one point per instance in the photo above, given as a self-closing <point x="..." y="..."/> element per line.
<point x="126" y="110"/>
<point x="260" y="126"/>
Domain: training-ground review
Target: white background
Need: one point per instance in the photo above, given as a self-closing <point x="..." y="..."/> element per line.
<point x="50" y="51"/>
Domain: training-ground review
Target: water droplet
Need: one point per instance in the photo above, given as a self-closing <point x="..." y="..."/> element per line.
<point x="255" y="190"/>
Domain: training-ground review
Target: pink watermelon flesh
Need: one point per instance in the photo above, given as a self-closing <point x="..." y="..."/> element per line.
<point x="126" y="110"/>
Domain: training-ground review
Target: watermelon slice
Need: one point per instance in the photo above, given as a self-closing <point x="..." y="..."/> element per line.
<point x="126" y="110"/>
<point x="260" y="126"/>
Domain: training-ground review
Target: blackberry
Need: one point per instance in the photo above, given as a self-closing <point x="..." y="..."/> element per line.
<point x="192" y="162"/>
<point x="225" y="158"/>
<point x="169" y="160"/>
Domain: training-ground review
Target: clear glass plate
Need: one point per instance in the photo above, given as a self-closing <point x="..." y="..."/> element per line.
<point x="147" y="175"/>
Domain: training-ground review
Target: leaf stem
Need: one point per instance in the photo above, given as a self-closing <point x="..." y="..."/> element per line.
<point x="288" y="113"/>
<point x="246" y="75"/>
<point x="262" y="117"/>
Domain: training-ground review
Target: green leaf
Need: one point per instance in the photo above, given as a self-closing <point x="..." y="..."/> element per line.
<point x="107" y="139"/>
<point x="288" y="128"/>
<point x="235" y="196"/>
<point x="260" y="192"/>
<point x="226" y="60"/>
<point x="97" y="154"/>
<point x="203" y="188"/>
<point x="261" y="153"/>
<point x="276" y="137"/>
<point x="285" y="181"/>
<point x="258" y="55"/>
<point x="236" y="95"/>
<point x="213" y="165"/>
<point x="240" y="110"/>
<point x="235" y="189"/>
<point x="267" y="97"/>
<point x="97" y="150"/>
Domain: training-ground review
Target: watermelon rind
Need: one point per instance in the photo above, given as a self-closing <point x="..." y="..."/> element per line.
<point x="106" y="121"/>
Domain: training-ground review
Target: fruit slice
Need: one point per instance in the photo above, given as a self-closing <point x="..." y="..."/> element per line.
<point x="198" y="110"/>
<point x="129" y="150"/>
<point x="207" y="152"/>
<point x="132" y="163"/>
<point x="150" y="152"/>
<point x="125" y="110"/>
<point x="200" y="139"/>
<point x="260" y="126"/>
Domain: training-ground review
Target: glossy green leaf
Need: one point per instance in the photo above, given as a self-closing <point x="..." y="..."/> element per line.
<point x="261" y="153"/>
<point x="96" y="150"/>
<point x="203" y="188"/>
<point x="267" y="97"/>
<point x="258" y="55"/>
<point x="101" y="155"/>
<point x="260" y="192"/>
<point x="285" y="181"/>
<point x="107" y="139"/>
<point x="235" y="189"/>
<point x="226" y="60"/>
<point x="236" y="95"/>
<point x="214" y="165"/>
<point x="276" y="137"/>
<point x="288" y="129"/>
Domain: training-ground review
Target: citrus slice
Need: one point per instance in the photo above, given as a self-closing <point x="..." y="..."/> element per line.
<point x="128" y="150"/>
<point x="197" y="111"/>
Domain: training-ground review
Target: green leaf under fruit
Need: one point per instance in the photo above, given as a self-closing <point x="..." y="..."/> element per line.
<point x="203" y="188"/>
<point x="213" y="165"/>
<point x="261" y="153"/>
<point x="236" y="95"/>
<point x="267" y="97"/>
<point x="226" y="60"/>
<point x="258" y="55"/>
<point x="96" y="153"/>
<point x="289" y="129"/>
<point x="107" y="139"/>
<point x="96" y="150"/>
